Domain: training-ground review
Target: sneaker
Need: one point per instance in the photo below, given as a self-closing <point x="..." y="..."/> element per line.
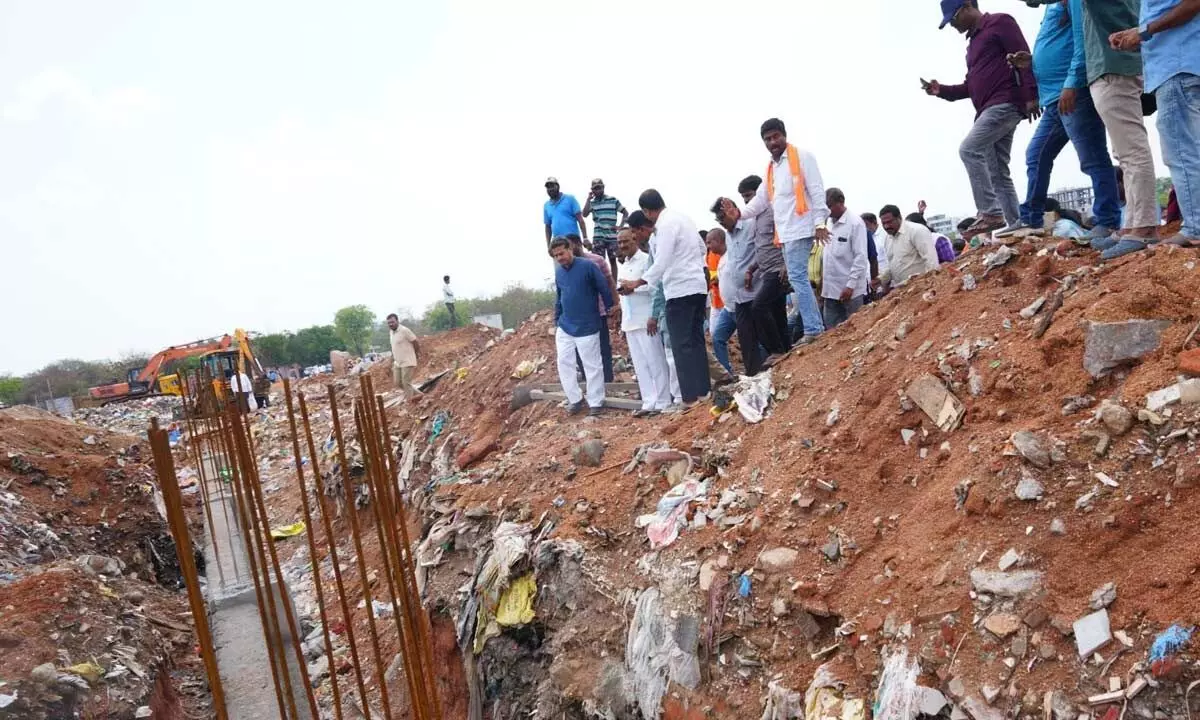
<point x="1010" y="230"/>
<point x="1124" y="246"/>
<point x="576" y="408"/>
<point x="1103" y="244"/>
<point x="595" y="412"/>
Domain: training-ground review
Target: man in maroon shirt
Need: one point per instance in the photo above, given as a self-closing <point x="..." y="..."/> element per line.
<point x="1002" y="97"/>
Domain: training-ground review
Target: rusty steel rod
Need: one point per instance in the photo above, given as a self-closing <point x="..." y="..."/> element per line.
<point x="257" y="502"/>
<point x="331" y="543"/>
<point x="348" y="489"/>
<point x="177" y="521"/>
<point x="267" y="616"/>
<point x="378" y="505"/>
<point x="312" y="546"/>
<point x="408" y="571"/>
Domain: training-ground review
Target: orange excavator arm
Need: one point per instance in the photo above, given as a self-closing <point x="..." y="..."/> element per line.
<point x="178" y="352"/>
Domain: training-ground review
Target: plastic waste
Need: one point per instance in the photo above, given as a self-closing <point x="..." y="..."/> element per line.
<point x="824" y="701"/>
<point x="753" y="396"/>
<point x="782" y="703"/>
<point x="662" y="527"/>
<point x="744" y="586"/>
<point x="897" y="696"/>
<point x="1169" y="642"/>
<point x="510" y="543"/>
<point x="516" y="604"/>
<point x="286" y="531"/>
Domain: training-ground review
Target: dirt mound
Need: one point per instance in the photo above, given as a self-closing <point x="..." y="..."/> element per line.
<point x="85" y="561"/>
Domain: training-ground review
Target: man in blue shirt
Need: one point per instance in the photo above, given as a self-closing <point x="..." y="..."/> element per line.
<point x="1169" y="36"/>
<point x="561" y="213"/>
<point x="579" y="286"/>
<point x="1068" y="114"/>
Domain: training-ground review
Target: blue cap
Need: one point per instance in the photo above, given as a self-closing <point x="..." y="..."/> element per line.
<point x="949" y="7"/>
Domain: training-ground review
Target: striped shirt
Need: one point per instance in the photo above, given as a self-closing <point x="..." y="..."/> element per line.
<point x="604" y="218"/>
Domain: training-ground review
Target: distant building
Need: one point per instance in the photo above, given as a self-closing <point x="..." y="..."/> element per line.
<point x="1078" y="199"/>
<point x="944" y="224"/>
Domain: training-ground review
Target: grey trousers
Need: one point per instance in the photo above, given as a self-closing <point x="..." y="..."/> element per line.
<point x="986" y="153"/>
<point x="837" y="312"/>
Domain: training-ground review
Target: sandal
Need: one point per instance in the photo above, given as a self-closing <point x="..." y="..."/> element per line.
<point x="985" y="224"/>
<point x="1125" y="246"/>
<point x="1183" y="241"/>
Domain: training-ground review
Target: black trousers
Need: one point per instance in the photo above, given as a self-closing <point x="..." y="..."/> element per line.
<point x="605" y="353"/>
<point x="685" y="321"/>
<point x="770" y="314"/>
<point x="748" y="339"/>
<point x="453" y="315"/>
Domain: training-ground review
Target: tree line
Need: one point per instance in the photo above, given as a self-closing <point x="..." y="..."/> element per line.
<point x="355" y="329"/>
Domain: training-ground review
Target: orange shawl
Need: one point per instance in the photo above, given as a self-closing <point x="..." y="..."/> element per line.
<point x="793" y="157"/>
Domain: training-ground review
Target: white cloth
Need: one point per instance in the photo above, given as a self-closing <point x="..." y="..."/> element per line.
<point x="844" y="263"/>
<point x="635" y="308"/>
<point x="447" y="293"/>
<point x="650" y="363"/>
<point x="588" y="347"/>
<point x="910" y="252"/>
<point x="672" y="376"/>
<point x="788" y="225"/>
<point x="240" y="383"/>
<point x="729" y="285"/>
<point x="678" y="256"/>
<point x="882" y="241"/>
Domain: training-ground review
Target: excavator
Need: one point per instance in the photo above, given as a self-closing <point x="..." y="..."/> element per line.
<point x="216" y="354"/>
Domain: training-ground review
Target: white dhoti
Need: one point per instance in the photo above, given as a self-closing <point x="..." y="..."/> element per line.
<point x="650" y="363"/>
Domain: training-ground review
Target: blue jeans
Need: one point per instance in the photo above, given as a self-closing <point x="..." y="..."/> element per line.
<point x="1179" y="130"/>
<point x="795" y="256"/>
<point x="1083" y="129"/>
<point x="726" y="324"/>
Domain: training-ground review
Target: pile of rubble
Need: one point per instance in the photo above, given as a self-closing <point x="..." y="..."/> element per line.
<point x="132" y="417"/>
<point x="91" y="620"/>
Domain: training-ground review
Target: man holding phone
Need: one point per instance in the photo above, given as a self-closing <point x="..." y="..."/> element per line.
<point x="1002" y="97"/>
<point x="603" y="209"/>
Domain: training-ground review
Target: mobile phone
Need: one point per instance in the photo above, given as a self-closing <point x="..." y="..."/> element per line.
<point x="924" y="84"/>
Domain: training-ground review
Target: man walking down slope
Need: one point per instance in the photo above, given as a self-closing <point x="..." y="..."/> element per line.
<point x="1002" y="98"/>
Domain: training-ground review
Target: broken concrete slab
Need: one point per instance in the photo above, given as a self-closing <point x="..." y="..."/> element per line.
<point x="1029" y="488"/>
<point x="978" y="709"/>
<point x="1103" y="596"/>
<point x="937" y="402"/>
<point x="1112" y="344"/>
<point x="1092" y="632"/>
<point x="929" y="701"/>
<point x="1002" y="624"/>
<point x="1010" y="558"/>
<point x="1006" y="584"/>
<point x="1033" y="446"/>
<point x="778" y="559"/>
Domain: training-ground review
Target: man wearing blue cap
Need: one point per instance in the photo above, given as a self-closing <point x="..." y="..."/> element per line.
<point x="1002" y="96"/>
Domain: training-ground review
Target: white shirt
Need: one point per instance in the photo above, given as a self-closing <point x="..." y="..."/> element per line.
<point x="882" y="240"/>
<point x="636" y="307"/>
<point x="727" y="280"/>
<point x="447" y="293"/>
<point x="678" y="256"/>
<point x="844" y="263"/>
<point x="910" y="252"/>
<point x="788" y="225"/>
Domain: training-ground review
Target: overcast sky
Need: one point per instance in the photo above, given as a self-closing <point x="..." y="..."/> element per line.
<point x="171" y="171"/>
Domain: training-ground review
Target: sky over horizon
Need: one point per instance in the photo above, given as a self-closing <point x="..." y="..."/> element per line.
<point x="173" y="171"/>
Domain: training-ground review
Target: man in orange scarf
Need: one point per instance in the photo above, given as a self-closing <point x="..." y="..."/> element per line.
<point x="795" y="194"/>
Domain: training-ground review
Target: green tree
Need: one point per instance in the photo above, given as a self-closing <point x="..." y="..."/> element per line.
<point x="311" y="345"/>
<point x="10" y="389"/>
<point x="274" y="349"/>
<point x="354" y="325"/>
<point x="515" y="305"/>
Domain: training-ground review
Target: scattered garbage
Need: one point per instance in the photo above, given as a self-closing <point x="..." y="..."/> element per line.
<point x="824" y="700"/>
<point x="663" y="526"/>
<point x="525" y="368"/>
<point x="744" y="586"/>
<point x="1001" y="256"/>
<point x="942" y="407"/>
<point x="897" y="698"/>
<point x="286" y="531"/>
<point x="753" y="396"/>
<point x="782" y="703"/>
<point x="1165" y="646"/>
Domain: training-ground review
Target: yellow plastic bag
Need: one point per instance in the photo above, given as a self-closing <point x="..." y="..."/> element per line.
<point x="516" y="604"/>
<point x="287" y="531"/>
<point x="89" y="671"/>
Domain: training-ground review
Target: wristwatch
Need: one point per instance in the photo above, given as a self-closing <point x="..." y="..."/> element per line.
<point x="1144" y="32"/>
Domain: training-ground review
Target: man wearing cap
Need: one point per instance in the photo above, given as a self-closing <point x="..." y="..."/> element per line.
<point x="603" y="209"/>
<point x="1002" y="97"/>
<point x="561" y="213"/>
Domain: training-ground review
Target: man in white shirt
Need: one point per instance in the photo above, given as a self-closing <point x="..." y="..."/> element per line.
<point x="448" y="299"/>
<point x="242" y="389"/>
<point x="844" y="263"/>
<point x="645" y="349"/>
<point x="679" y="264"/>
<point x="404" y="355"/>
<point x="795" y="194"/>
<point x="910" y="248"/>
